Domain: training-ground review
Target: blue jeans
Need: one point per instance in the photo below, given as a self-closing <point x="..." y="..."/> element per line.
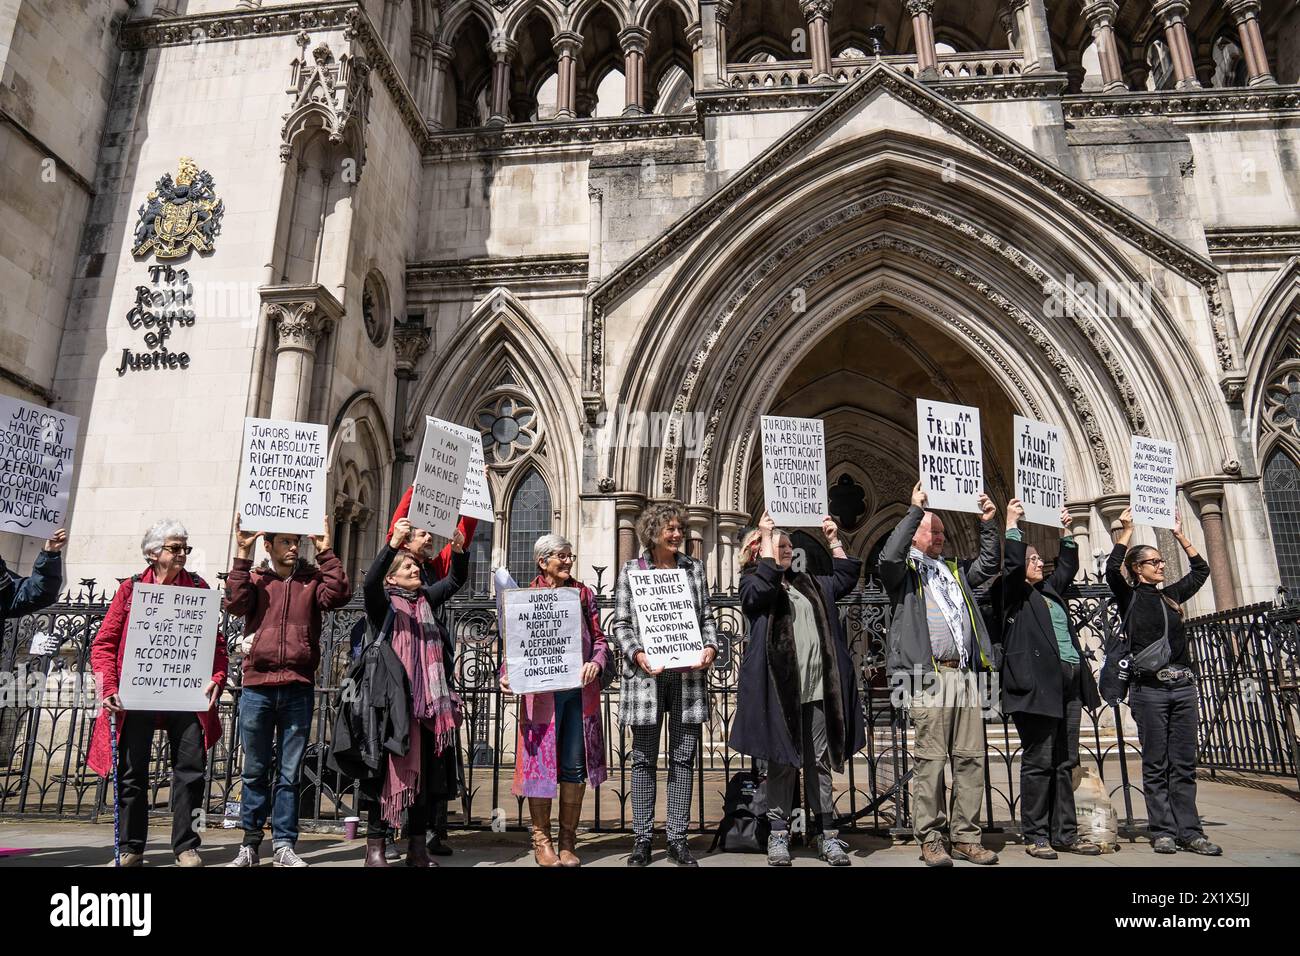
<point x="569" y="739"/>
<point x="279" y="715"/>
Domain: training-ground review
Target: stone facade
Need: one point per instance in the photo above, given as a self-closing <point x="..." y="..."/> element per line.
<point x="612" y="233"/>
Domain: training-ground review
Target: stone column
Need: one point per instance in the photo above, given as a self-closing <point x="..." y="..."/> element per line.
<point x="1136" y="70"/>
<point x="1246" y="13"/>
<point x="440" y="57"/>
<point x="1080" y="522"/>
<point x="298" y="327"/>
<point x="627" y="508"/>
<point x="818" y="15"/>
<point x="1173" y="16"/>
<point x="1035" y="36"/>
<point x="1007" y="20"/>
<point x="421" y="47"/>
<point x="1074" y="71"/>
<point x="633" y="41"/>
<point x="1100" y="15"/>
<point x="1207" y="495"/>
<point x="721" y="14"/>
<point x="595" y="226"/>
<point x="927" y="61"/>
<point x="410" y="341"/>
<point x="502" y="50"/>
<point x="1205" y="65"/>
<point x="567" y="47"/>
<point x="699" y="520"/>
<point x="699" y="77"/>
<point x="730" y="526"/>
<point x="1111" y="507"/>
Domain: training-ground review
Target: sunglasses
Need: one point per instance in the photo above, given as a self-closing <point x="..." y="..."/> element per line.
<point x="177" y="548"/>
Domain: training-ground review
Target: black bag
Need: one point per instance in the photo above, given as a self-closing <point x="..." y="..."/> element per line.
<point x="1121" y="664"/>
<point x="744" y="827"/>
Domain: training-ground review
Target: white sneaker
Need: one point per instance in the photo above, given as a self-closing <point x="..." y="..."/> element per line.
<point x="285" y="856"/>
<point x="247" y="856"/>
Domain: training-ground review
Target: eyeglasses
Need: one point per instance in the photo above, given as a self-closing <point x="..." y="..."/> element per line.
<point x="177" y="548"/>
<point x="1155" y="562"/>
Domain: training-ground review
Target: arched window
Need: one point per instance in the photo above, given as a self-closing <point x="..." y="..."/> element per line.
<point x="1282" y="493"/>
<point x="530" y="518"/>
<point x="480" y="559"/>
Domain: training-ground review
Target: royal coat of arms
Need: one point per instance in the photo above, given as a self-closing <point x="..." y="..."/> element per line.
<point x="180" y="215"/>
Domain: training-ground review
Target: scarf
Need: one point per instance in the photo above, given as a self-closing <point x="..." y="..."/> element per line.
<point x="415" y="638"/>
<point x="943" y="584"/>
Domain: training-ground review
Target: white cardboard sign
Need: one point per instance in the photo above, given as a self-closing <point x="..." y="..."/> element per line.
<point x="476" y="502"/>
<point x="439" y="480"/>
<point x="1040" y="470"/>
<point x="543" y="635"/>
<point x="282" y="476"/>
<point x="794" y="470"/>
<point x="170" y="643"/>
<point x="951" y="455"/>
<point x="1153" y="481"/>
<point x="666" y="618"/>
<point x="37" y="449"/>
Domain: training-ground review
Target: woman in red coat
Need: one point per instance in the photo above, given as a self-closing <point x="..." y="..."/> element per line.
<point x="188" y="735"/>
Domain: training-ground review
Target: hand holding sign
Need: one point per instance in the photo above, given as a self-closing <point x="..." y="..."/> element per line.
<point x="55" y="542"/>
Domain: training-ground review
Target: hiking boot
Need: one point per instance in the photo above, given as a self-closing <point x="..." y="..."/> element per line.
<point x="1201" y="845"/>
<point x="974" y="853"/>
<point x="438" y="844"/>
<point x="1081" y="847"/>
<point x="129" y="859"/>
<point x="247" y="856"/>
<point x="933" y="853"/>
<point x="640" y="852"/>
<point x="1164" y="845"/>
<point x="570" y="811"/>
<point x="1040" y="849"/>
<point x="375" y="855"/>
<point x="285" y="856"/>
<point x="543" y="850"/>
<point x="832" y="849"/>
<point x="189" y="858"/>
<point x="680" y="853"/>
<point x="778" y="848"/>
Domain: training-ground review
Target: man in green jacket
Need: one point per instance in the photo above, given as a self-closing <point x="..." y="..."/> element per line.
<point x="938" y="645"/>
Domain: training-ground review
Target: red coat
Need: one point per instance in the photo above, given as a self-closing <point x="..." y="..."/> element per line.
<point x="442" y="561"/>
<point x="106" y="652"/>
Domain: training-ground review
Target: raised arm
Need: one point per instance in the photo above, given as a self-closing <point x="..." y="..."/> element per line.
<point x="372" y="588"/>
<point x="988" y="564"/>
<point x="760" y="588"/>
<point x="1198" y="573"/>
<point x="1067" y="559"/>
<point x="442" y="590"/>
<point x="40" y="589"/>
<point x="893" y="554"/>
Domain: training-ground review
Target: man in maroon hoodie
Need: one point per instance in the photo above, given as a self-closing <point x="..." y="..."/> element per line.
<point x="282" y="603"/>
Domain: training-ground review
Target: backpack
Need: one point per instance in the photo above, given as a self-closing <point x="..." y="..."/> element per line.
<point x="744" y="827"/>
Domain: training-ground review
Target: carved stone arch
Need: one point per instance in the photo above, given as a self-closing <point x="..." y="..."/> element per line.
<point x="648" y="8"/>
<point x="582" y="9"/>
<point x="461" y="10"/>
<point x="1273" y="320"/>
<point x="519" y="12"/>
<point x="758" y="43"/>
<point x="360" y="464"/>
<point x="426" y="16"/>
<point x="331" y="96"/>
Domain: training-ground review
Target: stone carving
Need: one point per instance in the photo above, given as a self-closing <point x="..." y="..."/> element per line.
<point x="179" y="216"/>
<point x="297" y="325"/>
<point x="410" y="341"/>
<point x="496" y="271"/>
<point x="331" y="92"/>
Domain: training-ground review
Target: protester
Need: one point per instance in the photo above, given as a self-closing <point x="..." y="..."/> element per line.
<point x="282" y="604"/>
<point x="797" y="701"/>
<point x="25" y="595"/>
<point x="1045" y="684"/>
<point x="403" y="610"/>
<point x="938" y="647"/>
<point x="649" y="694"/>
<point x="1162" y="684"/>
<point x="165" y="548"/>
<point x="559" y="734"/>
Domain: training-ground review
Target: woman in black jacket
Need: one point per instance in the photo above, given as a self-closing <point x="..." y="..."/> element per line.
<point x="797" y="695"/>
<point x="404" y="610"/>
<point x="1045" y="684"/>
<point x="1162" y="695"/>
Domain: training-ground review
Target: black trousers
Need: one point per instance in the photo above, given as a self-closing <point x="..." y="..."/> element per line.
<point x="1166" y="717"/>
<point x="438" y="783"/>
<point x="1049" y="754"/>
<point x="185" y="740"/>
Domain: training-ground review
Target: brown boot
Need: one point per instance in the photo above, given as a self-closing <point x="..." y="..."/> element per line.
<point x="543" y="851"/>
<point x="570" y="810"/>
<point x="375" y="851"/>
<point x="934" y="854"/>
<point x="417" y="852"/>
<point x="974" y="853"/>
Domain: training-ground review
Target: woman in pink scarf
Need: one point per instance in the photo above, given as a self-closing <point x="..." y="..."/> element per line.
<point x="405" y="612"/>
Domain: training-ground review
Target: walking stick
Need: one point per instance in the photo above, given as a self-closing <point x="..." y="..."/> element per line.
<point x="112" y="742"/>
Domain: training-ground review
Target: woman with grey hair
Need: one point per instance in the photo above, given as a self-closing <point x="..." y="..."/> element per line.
<point x="559" y="733"/>
<point x="649" y="694"/>
<point x="165" y="547"/>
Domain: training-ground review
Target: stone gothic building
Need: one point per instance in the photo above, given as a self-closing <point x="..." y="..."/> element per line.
<point x="611" y="234"/>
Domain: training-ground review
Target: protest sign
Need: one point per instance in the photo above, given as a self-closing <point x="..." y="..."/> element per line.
<point x="37" y="449"/>
<point x="666" y="619"/>
<point x="794" y="470"/>
<point x="1154" y="482"/>
<point x="542" y="630"/>
<point x="170" y="643"/>
<point x="282" y="476"/>
<point x="439" y="480"/>
<point x="951" y="455"/>
<point x="476" y="500"/>
<point x="1040" y="470"/>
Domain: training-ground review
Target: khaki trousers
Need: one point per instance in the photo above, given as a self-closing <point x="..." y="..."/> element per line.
<point x="948" y="724"/>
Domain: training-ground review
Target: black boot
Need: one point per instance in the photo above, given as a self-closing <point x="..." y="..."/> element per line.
<point x="680" y="853"/>
<point x="438" y="845"/>
<point x="640" y="852"/>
